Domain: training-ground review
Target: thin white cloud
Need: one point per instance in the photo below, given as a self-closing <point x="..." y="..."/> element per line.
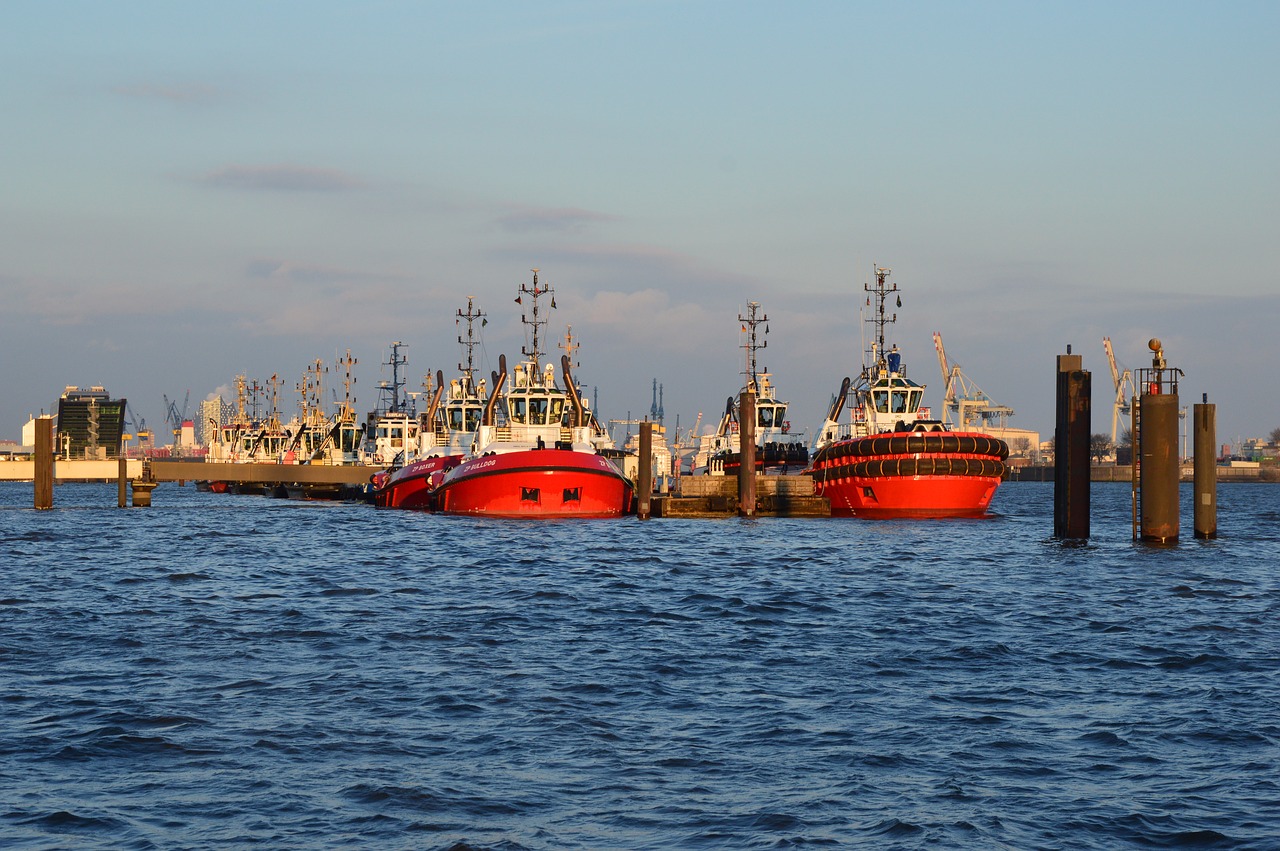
<point x="314" y="274"/>
<point x="551" y="219"/>
<point x="282" y="177"/>
<point x="195" y="93"/>
<point x="629" y="267"/>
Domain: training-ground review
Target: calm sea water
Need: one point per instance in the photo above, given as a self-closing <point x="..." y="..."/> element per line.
<point x="226" y="671"/>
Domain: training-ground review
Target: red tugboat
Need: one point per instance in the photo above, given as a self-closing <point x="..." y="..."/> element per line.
<point x="541" y="454"/>
<point x="445" y="435"/>
<point x="891" y="459"/>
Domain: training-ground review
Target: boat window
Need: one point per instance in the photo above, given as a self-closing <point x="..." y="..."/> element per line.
<point x="899" y="401"/>
<point x="764" y="416"/>
<point x="538" y="410"/>
<point x="881" y="400"/>
<point x="913" y="404"/>
<point x="473" y="419"/>
<point x="557" y="411"/>
<point x="517" y="409"/>
<point x="347" y="439"/>
<point x="455" y="419"/>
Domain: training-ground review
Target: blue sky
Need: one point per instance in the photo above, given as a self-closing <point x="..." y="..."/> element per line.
<point x="193" y="191"/>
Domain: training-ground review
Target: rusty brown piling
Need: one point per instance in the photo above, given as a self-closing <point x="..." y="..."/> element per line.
<point x="1206" y="470"/>
<point x="122" y="481"/>
<point x="1071" y="449"/>
<point x="1158" y="474"/>
<point x="644" y="477"/>
<point x="143" y="486"/>
<point x="44" y="463"/>
<point x="747" y="454"/>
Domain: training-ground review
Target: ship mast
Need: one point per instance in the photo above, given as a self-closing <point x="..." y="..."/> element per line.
<point x="752" y="344"/>
<point x="242" y="416"/>
<point x="274" y="382"/>
<point x="532" y="351"/>
<point x="255" y="401"/>
<point x="570" y="346"/>
<point x="395" y="362"/>
<point x="347" y="412"/>
<point x="878" y="316"/>
<point x="311" y="391"/>
<point x="471" y="342"/>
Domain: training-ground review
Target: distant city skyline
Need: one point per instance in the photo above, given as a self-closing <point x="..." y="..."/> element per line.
<point x="192" y="193"/>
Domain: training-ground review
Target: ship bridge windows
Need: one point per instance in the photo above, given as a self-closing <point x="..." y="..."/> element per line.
<point x="770" y="416"/>
<point x="538" y="407"/>
<point x="348" y="437"/>
<point x="464" y="418"/>
<point x="901" y="398"/>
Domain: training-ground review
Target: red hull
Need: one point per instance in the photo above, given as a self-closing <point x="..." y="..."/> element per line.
<point x="410" y="487"/>
<point x="917" y="496"/>
<point x="536" y="483"/>
<point x="910" y="475"/>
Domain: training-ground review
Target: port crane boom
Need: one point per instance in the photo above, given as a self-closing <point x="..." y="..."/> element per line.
<point x="965" y="400"/>
<point x="1123" y="382"/>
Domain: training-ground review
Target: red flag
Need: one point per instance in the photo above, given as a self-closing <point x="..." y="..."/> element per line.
<point x="518" y="301"/>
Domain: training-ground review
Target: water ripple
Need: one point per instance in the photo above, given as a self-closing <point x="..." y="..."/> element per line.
<point x="248" y="671"/>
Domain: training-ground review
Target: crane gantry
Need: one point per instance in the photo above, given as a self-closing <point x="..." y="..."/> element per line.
<point x="961" y="397"/>
<point x="1125" y="391"/>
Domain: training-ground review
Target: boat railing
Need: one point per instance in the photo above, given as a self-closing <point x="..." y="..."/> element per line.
<point x="835" y="432"/>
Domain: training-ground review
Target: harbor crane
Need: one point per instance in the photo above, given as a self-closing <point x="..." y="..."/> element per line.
<point x="965" y="400"/>
<point x="139" y="425"/>
<point x="1125" y="391"/>
<point x="176" y="417"/>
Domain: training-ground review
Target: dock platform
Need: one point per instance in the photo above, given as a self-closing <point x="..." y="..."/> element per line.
<point x="717" y="496"/>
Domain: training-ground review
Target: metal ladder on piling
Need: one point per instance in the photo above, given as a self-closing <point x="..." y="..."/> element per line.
<point x="1135" y="461"/>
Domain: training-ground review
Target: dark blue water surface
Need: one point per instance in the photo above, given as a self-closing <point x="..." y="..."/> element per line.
<point x="222" y="671"/>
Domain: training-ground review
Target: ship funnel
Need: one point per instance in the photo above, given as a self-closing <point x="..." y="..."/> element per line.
<point x="579" y="414"/>
<point x="837" y="405"/>
<point x="499" y="378"/>
<point x="435" y="400"/>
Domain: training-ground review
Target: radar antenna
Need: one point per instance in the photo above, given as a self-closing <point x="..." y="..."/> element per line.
<point x="754" y="341"/>
<point x="533" y="319"/>
<point x="468" y="368"/>
<point x="878" y="316"/>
